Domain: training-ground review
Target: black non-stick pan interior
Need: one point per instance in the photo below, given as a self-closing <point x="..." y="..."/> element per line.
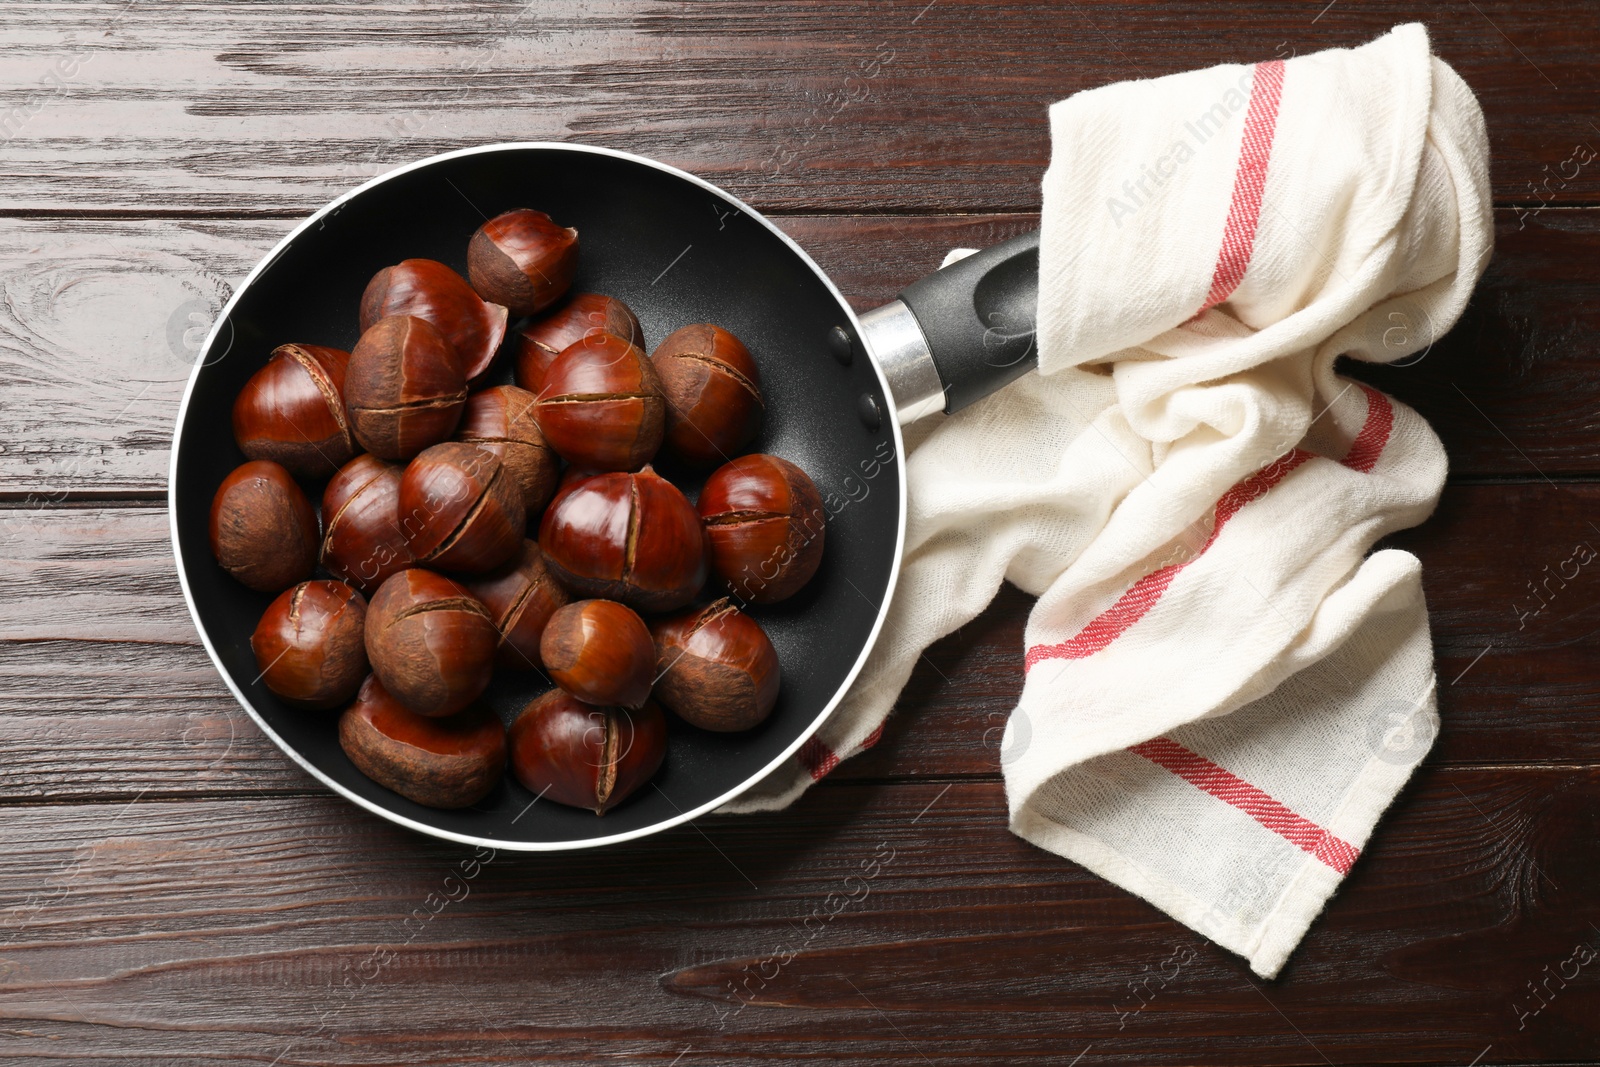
<point x="677" y="252"/>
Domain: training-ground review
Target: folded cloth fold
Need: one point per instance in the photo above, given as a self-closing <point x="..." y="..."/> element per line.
<point x="1223" y="690"/>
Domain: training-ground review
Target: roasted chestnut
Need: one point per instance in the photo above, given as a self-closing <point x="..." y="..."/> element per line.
<point x="716" y="668"/>
<point x="628" y="537"/>
<point x="309" y="646"/>
<point x="521" y="597"/>
<point x="501" y="420"/>
<point x="765" y="521"/>
<point x="291" y="411"/>
<point x="523" y="260"/>
<point x="570" y="479"/>
<point x="403" y="391"/>
<point x="713" y="393"/>
<point x="263" y="530"/>
<point x="601" y="405"/>
<point x="362" y="542"/>
<point x="461" y="508"/>
<point x="431" y="642"/>
<point x="579" y="316"/>
<point x="583" y="755"/>
<point x="600" y="652"/>
<point x="433" y="292"/>
<point x="448" y="762"/>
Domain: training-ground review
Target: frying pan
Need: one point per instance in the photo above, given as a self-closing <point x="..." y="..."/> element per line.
<point x="677" y="250"/>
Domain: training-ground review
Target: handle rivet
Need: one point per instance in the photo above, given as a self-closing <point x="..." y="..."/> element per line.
<point x="840" y="345"/>
<point x="869" y="411"/>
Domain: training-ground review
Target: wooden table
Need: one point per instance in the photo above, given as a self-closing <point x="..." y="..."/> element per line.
<point x="179" y="892"/>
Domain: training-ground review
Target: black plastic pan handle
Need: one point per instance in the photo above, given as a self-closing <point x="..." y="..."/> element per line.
<point x="960" y="333"/>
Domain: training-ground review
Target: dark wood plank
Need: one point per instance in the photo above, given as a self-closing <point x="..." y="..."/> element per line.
<point x="796" y="105"/>
<point x="105" y="690"/>
<point x="918" y="929"/>
<point x="103" y="682"/>
<point x="100" y="328"/>
<point x="103" y="318"/>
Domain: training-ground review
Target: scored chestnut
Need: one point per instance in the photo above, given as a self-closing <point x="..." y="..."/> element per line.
<point x="403" y="390"/>
<point x="583" y="755"/>
<point x="601" y="405"/>
<point x="765" y="521"/>
<point x="523" y="260"/>
<point x="309" y="644"/>
<point x="362" y="542"/>
<point x="716" y="668"/>
<point x="431" y="643"/>
<point x="521" y="597"/>
<point x="449" y="762"/>
<point x="579" y="316"/>
<point x="433" y="292"/>
<point x="628" y="537"/>
<point x="291" y="411"/>
<point x="263" y="531"/>
<point x="501" y="420"/>
<point x="713" y="393"/>
<point x="461" y="508"/>
<point x="600" y="652"/>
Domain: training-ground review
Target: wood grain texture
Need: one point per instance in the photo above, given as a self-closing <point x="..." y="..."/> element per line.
<point x="868" y="924"/>
<point x="100" y="326"/>
<point x="102" y="319"/>
<point x="105" y="690"/>
<point x="174" y="890"/>
<point x="796" y="105"/>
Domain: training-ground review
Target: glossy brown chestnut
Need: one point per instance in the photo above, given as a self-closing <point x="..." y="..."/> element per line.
<point x="433" y="292"/>
<point x="600" y="652"/>
<point x="362" y="542"/>
<point x="403" y="391"/>
<point x="291" y="411"/>
<point x="431" y="642"/>
<point x="570" y="479"/>
<point x="601" y="405"/>
<point x="521" y="597"/>
<point x="309" y="644"/>
<point x="461" y="508"/>
<point x="449" y="762"/>
<point x="716" y="668"/>
<point x="523" y="260"/>
<point x="765" y="520"/>
<point x="713" y="392"/>
<point x="581" y="315"/>
<point x="263" y="531"/>
<point x="628" y="537"/>
<point x="583" y="755"/>
<point x="501" y="420"/>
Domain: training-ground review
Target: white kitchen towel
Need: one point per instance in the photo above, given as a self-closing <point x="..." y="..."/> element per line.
<point x="1223" y="690"/>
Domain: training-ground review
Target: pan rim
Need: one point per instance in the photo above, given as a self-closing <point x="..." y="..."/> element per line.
<point x="470" y="839"/>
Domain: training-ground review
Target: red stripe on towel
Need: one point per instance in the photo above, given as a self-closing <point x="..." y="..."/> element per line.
<point x="1244" y="213"/>
<point x="817" y="758"/>
<point x="1259" y="805"/>
<point x="1368" y="445"/>
<point x="1144" y="594"/>
<point x="1147" y="591"/>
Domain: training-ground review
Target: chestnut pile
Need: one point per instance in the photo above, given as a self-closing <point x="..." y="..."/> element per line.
<point x="435" y="485"/>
